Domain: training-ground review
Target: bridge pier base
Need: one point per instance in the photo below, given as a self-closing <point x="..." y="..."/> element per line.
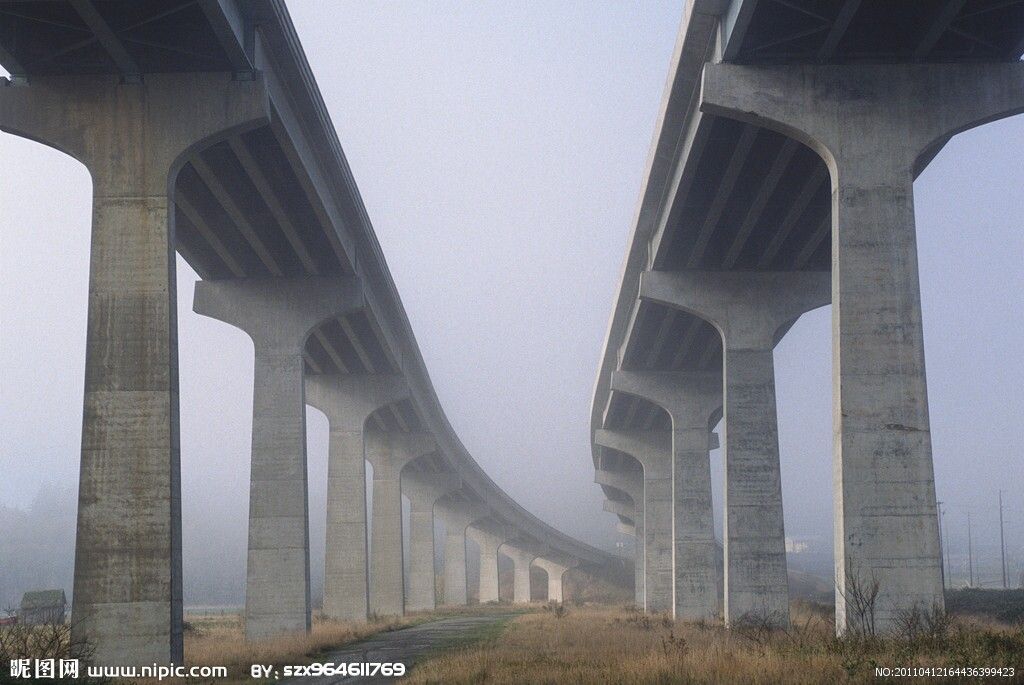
<point x="279" y="315"/>
<point x="423" y="491"/>
<point x="348" y="400"/>
<point x="133" y="138"/>
<point x="751" y="312"/>
<point x="388" y="453"/>
<point x="653" y="450"/>
<point x="876" y="127"/>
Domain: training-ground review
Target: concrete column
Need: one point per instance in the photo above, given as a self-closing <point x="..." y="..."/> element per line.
<point x="348" y="401"/>
<point x="691" y="399"/>
<point x="751" y="312"/>
<point x="489" y="538"/>
<point x="522" y="557"/>
<point x="423" y="491"/>
<point x="279" y="315"/>
<point x="631" y="484"/>
<point x="456" y="516"/>
<point x="653" y="450"/>
<point x="556" y="573"/>
<point x="389" y="453"/>
<point x="133" y="138"/>
<point x="876" y="127"/>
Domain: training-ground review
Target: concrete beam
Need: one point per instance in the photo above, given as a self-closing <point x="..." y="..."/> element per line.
<point x="133" y="138"/>
<point x="348" y="400"/>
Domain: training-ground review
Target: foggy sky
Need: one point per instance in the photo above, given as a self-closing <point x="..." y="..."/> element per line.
<point x="499" y="148"/>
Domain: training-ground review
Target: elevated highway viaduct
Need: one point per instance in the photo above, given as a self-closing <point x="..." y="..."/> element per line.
<point x="205" y="134"/>
<point x="780" y="179"/>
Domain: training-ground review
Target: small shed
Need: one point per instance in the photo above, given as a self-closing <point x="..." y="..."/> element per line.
<point x="42" y="606"/>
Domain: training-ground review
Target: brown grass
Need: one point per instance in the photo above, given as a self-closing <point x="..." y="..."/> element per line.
<point x="606" y="645"/>
<point x="220" y="641"/>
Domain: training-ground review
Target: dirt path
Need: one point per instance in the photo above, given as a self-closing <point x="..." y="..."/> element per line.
<point x="406" y="646"/>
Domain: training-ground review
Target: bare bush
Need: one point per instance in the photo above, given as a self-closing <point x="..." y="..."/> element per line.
<point x="861" y="596"/>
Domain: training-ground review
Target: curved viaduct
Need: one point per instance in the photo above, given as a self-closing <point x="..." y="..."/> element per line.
<point x="780" y="179"/>
<point x="205" y="133"/>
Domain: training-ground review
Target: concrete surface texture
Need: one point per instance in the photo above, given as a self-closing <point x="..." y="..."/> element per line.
<point x="423" y="491"/>
<point x="127" y="594"/>
<point x="278" y="314"/>
<point x="348" y="400"/>
<point x="690" y="400"/>
<point x="456" y="515"/>
<point x="653" y="450"/>
<point x="749" y="311"/>
<point x="875" y="127"/>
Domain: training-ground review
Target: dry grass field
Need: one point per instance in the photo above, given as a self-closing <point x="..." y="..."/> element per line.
<point x="617" y="645"/>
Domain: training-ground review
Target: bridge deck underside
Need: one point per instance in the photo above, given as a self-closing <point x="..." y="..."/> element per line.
<point x="879" y="30"/>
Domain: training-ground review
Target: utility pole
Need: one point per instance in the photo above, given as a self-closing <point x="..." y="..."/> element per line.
<point x="970" y="552"/>
<point x="945" y="550"/>
<point x="1002" y="539"/>
<point x="942" y="547"/>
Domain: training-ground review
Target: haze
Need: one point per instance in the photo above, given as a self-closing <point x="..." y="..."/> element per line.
<point x="500" y="148"/>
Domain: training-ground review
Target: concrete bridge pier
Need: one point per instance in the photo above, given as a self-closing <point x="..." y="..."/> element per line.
<point x="653" y="449"/>
<point x="751" y="312"/>
<point x="278" y="315"/>
<point x="556" y="573"/>
<point x="489" y="537"/>
<point x="631" y="484"/>
<point x="423" y="491"/>
<point x="457" y="517"/>
<point x="133" y="138"/>
<point x="876" y="127"/>
<point x="348" y="400"/>
<point x="691" y="399"/>
<point x="388" y="453"/>
<point x="522" y="556"/>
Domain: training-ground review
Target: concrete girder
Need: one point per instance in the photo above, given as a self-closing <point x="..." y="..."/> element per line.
<point x="348" y="400"/>
<point x="876" y="127"/>
<point x="620" y="507"/>
<point x="134" y="139"/>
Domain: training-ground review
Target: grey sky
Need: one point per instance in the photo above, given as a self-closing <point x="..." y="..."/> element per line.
<point x="499" y="148"/>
